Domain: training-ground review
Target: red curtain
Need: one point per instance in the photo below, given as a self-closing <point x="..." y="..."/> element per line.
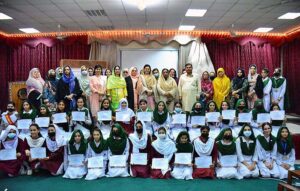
<point x="17" y="60"/>
<point x="231" y="55"/>
<point x="291" y="60"/>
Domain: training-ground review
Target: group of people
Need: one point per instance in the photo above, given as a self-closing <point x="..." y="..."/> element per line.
<point x="126" y="143"/>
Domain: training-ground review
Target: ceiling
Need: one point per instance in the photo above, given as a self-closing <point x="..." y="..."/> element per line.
<point x="246" y="15"/>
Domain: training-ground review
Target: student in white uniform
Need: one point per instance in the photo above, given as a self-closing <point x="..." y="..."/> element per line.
<point x="277" y="124"/>
<point x="118" y="144"/>
<point x="144" y="108"/>
<point x="226" y="123"/>
<point x="105" y="125"/>
<point x="213" y="126"/>
<point x="285" y="152"/>
<point x="76" y="145"/>
<point x="247" y="155"/>
<point x="183" y="145"/>
<point x="267" y="149"/>
<point x="84" y="126"/>
<point x="97" y="147"/>
<point x="194" y="129"/>
<point x="267" y="88"/>
<point x="258" y="109"/>
<point x="278" y="88"/>
<point x="226" y="146"/>
<point x="161" y="117"/>
<point x="175" y="129"/>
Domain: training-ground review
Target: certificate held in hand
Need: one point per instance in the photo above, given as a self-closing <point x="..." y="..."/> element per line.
<point x="122" y="116"/>
<point x="245" y="117"/>
<point x="78" y="116"/>
<point x="263" y="118"/>
<point x="42" y="121"/>
<point x="104" y="115"/>
<point x="179" y="119"/>
<point x="144" y="116"/>
<point x="59" y="118"/>
<point x="24" y="123"/>
<point x="116" y="161"/>
<point x="95" y="162"/>
<point x="228" y="114"/>
<point x="212" y="116"/>
<point x="160" y="163"/>
<point x="138" y="159"/>
<point x="228" y="160"/>
<point x="183" y="158"/>
<point x="38" y="152"/>
<point x="277" y="115"/>
<point x="8" y="154"/>
<point x="76" y="159"/>
<point x="203" y="161"/>
<point x="198" y="120"/>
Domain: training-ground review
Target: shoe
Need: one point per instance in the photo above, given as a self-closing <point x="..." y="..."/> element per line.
<point x="29" y="172"/>
<point x="22" y="171"/>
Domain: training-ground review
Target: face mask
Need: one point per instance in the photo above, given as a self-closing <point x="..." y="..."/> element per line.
<point x="205" y="135"/>
<point x="177" y="110"/>
<point x="211" y="78"/>
<point x="51" y="134"/>
<point x="52" y="77"/>
<point x="139" y="131"/>
<point x="276" y="74"/>
<point x="247" y="133"/>
<point x="241" y="107"/>
<point x="84" y="73"/>
<point x="156" y="75"/>
<point x="198" y="109"/>
<point x="116" y="133"/>
<point x="161" y="136"/>
<point x="60" y="74"/>
<point x="10" y="109"/>
<point x="11" y="135"/>
<point x="228" y="137"/>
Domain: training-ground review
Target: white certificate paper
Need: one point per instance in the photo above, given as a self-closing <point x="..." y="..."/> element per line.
<point x="59" y="118"/>
<point x="78" y="116"/>
<point x="117" y="161"/>
<point x="144" y="116"/>
<point x="228" y="160"/>
<point x="104" y="115"/>
<point x="160" y="163"/>
<point x="183" y="158"/>
<point x="8" y="154"/>
<point x="42" y="121"/>
<point x="138" y="159"/>
<point x="203" y="161"/>
<point x="245" y="117"/>
<point x="198" y="120"/>
<point x="95" y="162"/>
<point x="122" y="116"/>
<point x="24" y="123"/>
<point x="212" y="116"/>
<point x="263" y="118"/>
<point x="179" y="119"/>
<point x="228" y="114"/>
<point x="38" y="152"/>
<point x="277" y="115"/>
<point x="76" y="160"/>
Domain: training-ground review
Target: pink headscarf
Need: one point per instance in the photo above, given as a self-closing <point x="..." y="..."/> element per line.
<point x="33" y="83"/>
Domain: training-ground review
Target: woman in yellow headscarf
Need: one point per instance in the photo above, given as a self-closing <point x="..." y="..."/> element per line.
<point x="221" y="87"/>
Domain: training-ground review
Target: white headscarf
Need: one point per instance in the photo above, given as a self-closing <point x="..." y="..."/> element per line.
<point x="33" y="83"/>
<point x="11" y="144"/>
<point x="58" y="142"/>
<point x="127" y="109"/>
<point x="165" y="146"/>
<point x="140" y="143"/>
<point x="204" y="148"/>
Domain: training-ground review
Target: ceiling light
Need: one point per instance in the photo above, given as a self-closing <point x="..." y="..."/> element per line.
<point x="263" y="29"/>
<point x="186" y="27"/>
<point x="4" y="17"/>
<point x="195" y="12"/>
<point x="289" y="16"/>
<point x="29" y="30"/>
<point x="142" y="4"/>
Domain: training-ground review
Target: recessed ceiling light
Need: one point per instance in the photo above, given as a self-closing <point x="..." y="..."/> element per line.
<point x="263" y="29"/>
<point x="4" y="17"/>
<point x="289" y="16"/>
<point x="195" y="12"/>
<point x="186" y="27"/>
<point x="29" y="30"/>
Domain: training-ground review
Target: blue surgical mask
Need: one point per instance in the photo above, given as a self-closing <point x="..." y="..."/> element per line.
<point x="156" y="75"/>
<point x="178" y="109"/>
<point x="247" y="133"/>
<point x="84" y="73"/>
<point x="161" y="136"/>
<point x="11" y="135"/>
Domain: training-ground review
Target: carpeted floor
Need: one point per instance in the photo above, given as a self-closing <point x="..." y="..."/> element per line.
<point x="46" y="183"/>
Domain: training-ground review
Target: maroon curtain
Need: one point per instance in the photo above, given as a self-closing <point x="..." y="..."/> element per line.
<point x="16" y="60"/>
<point x="231" y="55"/>
<point x="291" y="63"/>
